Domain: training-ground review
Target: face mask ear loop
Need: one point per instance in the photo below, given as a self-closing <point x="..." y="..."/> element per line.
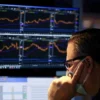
<point x="79" y="87"/>
<point x="86" y="75"/>
<point x="89" y="71"/>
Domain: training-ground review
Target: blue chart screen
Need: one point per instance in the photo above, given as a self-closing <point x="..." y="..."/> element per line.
<point x="9" y="52"/>
<point x="35" y="51"/>
<point x="44" y="51"/>
<point x="38" y="19"/>
<point x="64" y="23"/>
<point x="9" y="20"/>
<point x="59" y="53"/>
<point x="32" y="51"/>
<point x="51" y="20"/>
<point x="35" y="36"/>
<point x="37" y="22"/>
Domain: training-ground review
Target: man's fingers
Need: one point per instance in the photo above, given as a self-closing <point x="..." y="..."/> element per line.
<point x="77" y="73"/>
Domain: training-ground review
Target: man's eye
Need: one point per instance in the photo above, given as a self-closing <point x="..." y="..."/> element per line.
<point x="69" y="65"/>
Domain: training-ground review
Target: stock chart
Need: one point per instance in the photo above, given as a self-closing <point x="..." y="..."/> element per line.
<point x="35" y="36"/>
<point x="9" y="52"/>
<point x="37" y="22"/>
<point x="40" y="20"/>
<point x="35" y="51"/>
<point x="9" y="20"/>
<point x="64" y="23"/>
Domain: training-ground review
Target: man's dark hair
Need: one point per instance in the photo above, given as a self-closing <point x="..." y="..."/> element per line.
<point x="87" y="42"/>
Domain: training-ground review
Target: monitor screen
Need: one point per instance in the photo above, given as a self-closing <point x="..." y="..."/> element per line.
<point x="24" y="88"/>
<point x="9" y="19"/>
<point x="38" y="19"/>
<point x="9" y="51"/>
<point x="37" y="52"/>
<point x="33" y="37"/>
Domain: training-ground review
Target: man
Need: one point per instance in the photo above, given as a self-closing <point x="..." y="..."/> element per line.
<point x="83" y="67"/>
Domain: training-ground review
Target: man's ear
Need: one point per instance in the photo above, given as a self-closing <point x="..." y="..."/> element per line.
<point x="89" y="62"/>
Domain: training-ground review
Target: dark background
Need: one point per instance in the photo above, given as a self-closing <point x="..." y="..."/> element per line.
<point x="89" y="6"/>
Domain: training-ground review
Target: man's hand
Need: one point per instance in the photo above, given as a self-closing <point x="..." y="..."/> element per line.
<point x="64" y="88"/>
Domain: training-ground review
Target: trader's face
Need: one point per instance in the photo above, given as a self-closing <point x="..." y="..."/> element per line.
<point x="92" y="83"/>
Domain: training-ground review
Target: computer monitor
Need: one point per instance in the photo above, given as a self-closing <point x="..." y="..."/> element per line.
<point x="24" y="88"/>
<point x="38" y="19"/>
<point x="35" y="37"/>
<point x="27" y="87"/>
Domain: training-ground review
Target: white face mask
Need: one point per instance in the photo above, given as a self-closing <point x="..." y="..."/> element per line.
<point x="79" y="87"/>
